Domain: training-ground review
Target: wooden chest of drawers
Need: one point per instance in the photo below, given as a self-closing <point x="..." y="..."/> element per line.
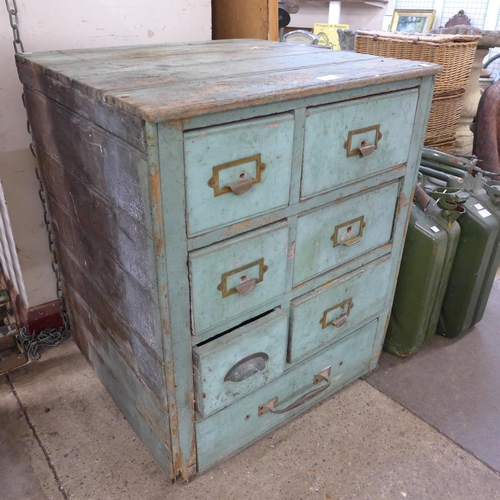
<point x="229" y="219"/>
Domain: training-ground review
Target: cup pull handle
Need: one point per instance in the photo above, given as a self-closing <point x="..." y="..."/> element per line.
<point x="241" y="187"/>
<point x="246" y="288"/>
<point x="247" y="367"/>
<point x="366" y="150"/>
<point x="338" y="322"/>
<point x="322" y="376"/>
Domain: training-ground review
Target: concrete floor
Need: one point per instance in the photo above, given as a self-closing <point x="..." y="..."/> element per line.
<point x="61" y="436"/>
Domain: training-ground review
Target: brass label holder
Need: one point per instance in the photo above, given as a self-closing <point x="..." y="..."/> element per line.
<point x="345" y="308"/>
<point x="364" y="149"/>
<point x="244" y="184"/>
<point x="247" y="286"/>
<point x="339" y="237"/>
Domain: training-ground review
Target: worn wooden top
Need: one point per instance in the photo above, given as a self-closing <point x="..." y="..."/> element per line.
<point x="174" y="81"/>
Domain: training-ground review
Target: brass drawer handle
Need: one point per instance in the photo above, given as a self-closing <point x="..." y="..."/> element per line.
<point x="322" y="376"/>
<point x="247" y="367"/>
<point x="349" y="233"/>
<point x="244" y="182"/>
<point x="246" y="285"/>
<point x="240" y="187"/>
<point x="364" y="148"/>
<point x="345" y="309"/>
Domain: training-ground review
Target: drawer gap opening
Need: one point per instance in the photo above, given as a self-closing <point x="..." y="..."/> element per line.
<point x="225" y="332"/>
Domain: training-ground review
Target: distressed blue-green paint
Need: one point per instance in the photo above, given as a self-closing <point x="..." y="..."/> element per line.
<point x="206" y="149"/>
<point x="173" y="258"/>
<point x="315" y="251"/>
<point x="277" y="223"/>
<point x="328" y="167"/>
<point x="234" y="427"/>
<point x="208" y="266"/>
<point x="213" y="361"/>
<point x="365" y="288"/>
<point x="402" y="214"/>
<point x="154" y="443"/>
<point x="221" y="234"/>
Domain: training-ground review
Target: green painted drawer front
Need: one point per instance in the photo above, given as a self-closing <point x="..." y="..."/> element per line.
<point x="237" y="275"/>
<point x="227" y="431"/>
<point x="236" y="364"/>
<point x="335" y="133"/>
<point x="221" y="161"/>
<point x="337" y="233"/>
<point x="334" y="309"/>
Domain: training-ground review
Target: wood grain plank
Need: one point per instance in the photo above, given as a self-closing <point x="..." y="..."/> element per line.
<point x="179" y="101"/>
<point x="157" y="447"/>
<point x="125" y="241"/>
<point x="114" y="169"/>
<point x="172" y="257"/>
<point x="193" y="96"/>
<point x="127" y="127"/>
<point x="113" y="322"/>
<point x="241" y="19"/>
<point x="114" y="69"/>
<point x="146" y="367"/>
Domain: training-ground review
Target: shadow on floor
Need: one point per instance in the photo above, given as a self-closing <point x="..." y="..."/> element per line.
<point x="453" y="384"/>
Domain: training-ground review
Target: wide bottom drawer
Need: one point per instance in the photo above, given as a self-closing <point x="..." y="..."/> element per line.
<point x="231" y="429"/>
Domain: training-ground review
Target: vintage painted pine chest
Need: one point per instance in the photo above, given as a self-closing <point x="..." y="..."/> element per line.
<point x="229" y="219"/>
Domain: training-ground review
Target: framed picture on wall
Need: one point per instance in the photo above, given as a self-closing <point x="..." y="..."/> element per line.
<point x="420" y="21"/>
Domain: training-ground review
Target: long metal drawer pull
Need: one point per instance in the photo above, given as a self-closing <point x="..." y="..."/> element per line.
<point x="247" y="286"/>
<point x="247" y="367"/>
<point x="364" y="148"/>
<point x="345" y="308"/>
<point x="244" y="183"/>
<point x="322" y="376"/>
<point x="340" y="237"/>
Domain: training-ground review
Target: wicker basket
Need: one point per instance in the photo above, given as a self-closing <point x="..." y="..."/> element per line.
<point x="447" y="146"/>
<point x="444" y="116"/>
<point x="454" y="52"/>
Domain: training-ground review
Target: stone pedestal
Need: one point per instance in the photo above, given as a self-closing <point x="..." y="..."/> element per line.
<point x="465" y="138"/>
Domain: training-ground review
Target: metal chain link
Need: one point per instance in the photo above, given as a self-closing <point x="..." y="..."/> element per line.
<point x="49" y="336"/>
<point x="14" y="24"/>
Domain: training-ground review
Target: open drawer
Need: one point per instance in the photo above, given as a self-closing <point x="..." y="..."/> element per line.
<point x="237" y="363"/>
<point x="227" y="431"/>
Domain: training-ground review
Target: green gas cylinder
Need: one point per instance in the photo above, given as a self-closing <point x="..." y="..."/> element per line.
<point x="476" y="258"/>
<point x="430" y="246"/>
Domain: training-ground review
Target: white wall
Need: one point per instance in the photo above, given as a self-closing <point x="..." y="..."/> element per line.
<point x="357" y="15"/>
<point x="65" y="24"/>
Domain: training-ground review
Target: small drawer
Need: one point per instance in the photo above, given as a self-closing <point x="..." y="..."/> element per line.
<point x="237" y="171"/>
<point x="349" y="141"/>
<point x="330" y="236"/>
<point x="239" y="362"/>
<point x="329" y="312"/>
<point x="237" y="275"/>
<point x="231" y="429"/>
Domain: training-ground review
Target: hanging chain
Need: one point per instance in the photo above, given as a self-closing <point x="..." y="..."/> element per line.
<point x="50" y="336"/>
<point x="14" y="24"/>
